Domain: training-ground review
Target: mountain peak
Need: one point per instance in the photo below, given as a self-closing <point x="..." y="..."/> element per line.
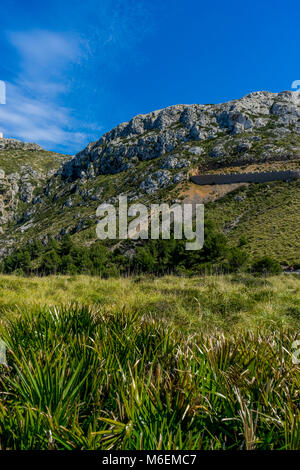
<point x="17" y="144"/>
<point x="150" y="136"/>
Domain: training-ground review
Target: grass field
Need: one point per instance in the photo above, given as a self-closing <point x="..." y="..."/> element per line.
<point x="229" y="303"/>
<point x="266" y="215"/>
<point x="141" y="363"/>
<point x="12" y="160"/>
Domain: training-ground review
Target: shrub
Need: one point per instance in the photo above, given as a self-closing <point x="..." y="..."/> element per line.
<point x="237" y="258"/>
<point x="77" y="379"/>
<point x="267" y="265"/>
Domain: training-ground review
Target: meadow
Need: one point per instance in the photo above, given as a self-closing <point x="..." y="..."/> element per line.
<point x="150" y="363"/>
<point x="228" y="303"/>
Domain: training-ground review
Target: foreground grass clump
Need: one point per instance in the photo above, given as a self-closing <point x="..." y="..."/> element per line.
<point x="78" y="379"/>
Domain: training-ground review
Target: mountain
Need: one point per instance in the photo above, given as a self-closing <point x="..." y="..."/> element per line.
<point x="24" y="169"/>
<point x="177" y="128"/>
<point x="151" y="159"/>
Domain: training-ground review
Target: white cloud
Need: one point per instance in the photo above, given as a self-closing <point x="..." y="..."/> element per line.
<point x="43" y="48"/>
<point x="54" y="80"/>
<point x="33" y="111"/>
<point x="49" y="125"/>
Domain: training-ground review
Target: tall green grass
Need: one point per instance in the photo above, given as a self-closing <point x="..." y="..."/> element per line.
<point x="228" y="303"/>
<point x="78" y="379"/>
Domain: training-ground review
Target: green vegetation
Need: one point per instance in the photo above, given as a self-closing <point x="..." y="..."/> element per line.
<point x="11" y="160"/>
<point x="267" y="265"/>
<point x="267" y="215"/>
<point x="133" y="357"/>
<point x="80" y="379"/>
<point x="158" y="257"/>
<point x="230" y="304"/>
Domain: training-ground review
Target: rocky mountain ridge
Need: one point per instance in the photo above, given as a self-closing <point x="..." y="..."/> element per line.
<point x="151" y="158"/>
<point x="24" y="169"/>
<point x="18" y="145"/>
<point x="173" y="129"/>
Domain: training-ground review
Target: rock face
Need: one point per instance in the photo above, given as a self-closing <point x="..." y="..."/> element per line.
<point x="17" y="144"/>
<point x="174" y="162"/>
<point x="43" y="194"/>
<point x="153" y="135"/>
<point x="157" y="180"/>
<point x="19" y="180"/>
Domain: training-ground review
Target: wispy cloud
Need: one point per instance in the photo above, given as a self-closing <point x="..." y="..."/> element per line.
<point x="60" y="81"/>
<point x="33" y="110"/>
<point x="44" y="48"/>
<point x="45" y="123"/>
<point x="45" y="57"/>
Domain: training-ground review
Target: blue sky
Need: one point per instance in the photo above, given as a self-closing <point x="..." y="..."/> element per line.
<point x="75" y="69"/>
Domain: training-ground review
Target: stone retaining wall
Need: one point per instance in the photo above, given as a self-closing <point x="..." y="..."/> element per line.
<point x="263" y="177"/>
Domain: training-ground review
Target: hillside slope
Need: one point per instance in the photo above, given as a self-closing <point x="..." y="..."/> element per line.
<point x="24" y="170"/>
<point x="151" y="158"/>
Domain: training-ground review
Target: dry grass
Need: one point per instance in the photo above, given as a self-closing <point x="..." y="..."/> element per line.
<point x="169" y="363"/>
<point x="229" y="303"/>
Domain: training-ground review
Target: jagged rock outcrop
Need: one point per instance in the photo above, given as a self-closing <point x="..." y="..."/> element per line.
<point x="174" y="162"/>
<point x="24" y="170"/>
<point x="43" y="194"/>
<point x="18" y="144"/>
<point x="153" y="135"/>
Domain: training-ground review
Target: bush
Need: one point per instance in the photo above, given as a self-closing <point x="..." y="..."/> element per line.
<point x="157" y="257"/>
<point x="78" y="380"/>
<point x="237" y="258"/>
<point x="266" y="265"/>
